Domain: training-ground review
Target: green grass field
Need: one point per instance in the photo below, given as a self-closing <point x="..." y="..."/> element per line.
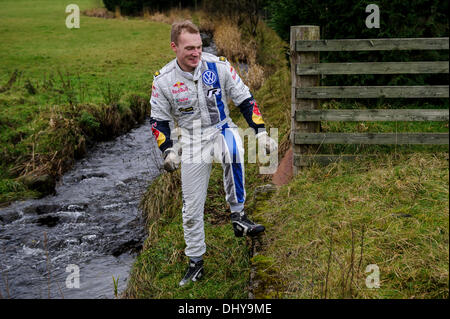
<point x="36" y="41"/>
<point x="67" y="82"/>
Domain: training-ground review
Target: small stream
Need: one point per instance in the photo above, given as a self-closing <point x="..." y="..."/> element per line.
<point x="92" y="225"/>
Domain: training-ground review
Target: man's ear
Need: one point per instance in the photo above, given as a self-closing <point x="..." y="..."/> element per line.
<point x="173" y="46"/>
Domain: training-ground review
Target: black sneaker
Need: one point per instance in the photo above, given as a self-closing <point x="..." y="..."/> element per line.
<point x="244" y="226"/>
<point x="194" y="272"/>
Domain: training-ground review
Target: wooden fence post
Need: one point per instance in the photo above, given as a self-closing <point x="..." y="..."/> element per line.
<point x="302" y="33"/>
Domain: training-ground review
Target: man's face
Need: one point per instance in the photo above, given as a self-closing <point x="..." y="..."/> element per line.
<point x="188" y="50"/>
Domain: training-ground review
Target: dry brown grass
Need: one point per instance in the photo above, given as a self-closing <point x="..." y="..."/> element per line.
<point x="230" y="43"/>
<point x="117" y="13"/>
<point x="161" y="203"/>
<point x="98" y="13"/>
<point x="163" y="198"/>
<point x="204" y="21"/>
<point x="169" y="17"/>
<point x="254" y="78"/>
<point x="200" y="18"/>
<point x="228" y="40"/>
<point x="157" y="17"/>
<point x="40" y="161"/>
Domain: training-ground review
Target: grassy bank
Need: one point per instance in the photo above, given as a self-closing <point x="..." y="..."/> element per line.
<point x="323" y="228"/>
<point x="329" y="223"/>
<point x="63" y="89"/>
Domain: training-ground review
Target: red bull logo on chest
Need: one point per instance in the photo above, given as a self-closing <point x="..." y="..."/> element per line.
<point x="179" y="88"/>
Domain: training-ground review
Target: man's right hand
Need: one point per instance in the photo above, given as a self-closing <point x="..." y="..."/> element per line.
<point x="171" y="160"/>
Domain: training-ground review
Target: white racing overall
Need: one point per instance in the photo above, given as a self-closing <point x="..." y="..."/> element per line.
<point x="198" y="103"/>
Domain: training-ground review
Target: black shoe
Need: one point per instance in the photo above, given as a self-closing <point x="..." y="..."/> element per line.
<point x="244" y="226"/>
<point x="194" y="272"/>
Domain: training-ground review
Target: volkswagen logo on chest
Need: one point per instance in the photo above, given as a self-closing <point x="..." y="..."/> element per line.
<point x="209" y="77"/>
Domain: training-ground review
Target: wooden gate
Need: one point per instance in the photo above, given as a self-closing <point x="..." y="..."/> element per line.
<point x="306" y="68"/>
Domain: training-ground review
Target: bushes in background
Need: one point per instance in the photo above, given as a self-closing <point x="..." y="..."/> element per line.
<point x="136" y="7"/>
<point x="343" y="19"/>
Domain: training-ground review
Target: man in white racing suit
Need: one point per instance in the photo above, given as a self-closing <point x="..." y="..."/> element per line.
<point x="193" y="90"/>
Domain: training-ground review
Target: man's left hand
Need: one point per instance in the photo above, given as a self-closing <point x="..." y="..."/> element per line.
<point x="171" y="160"/>
<point x="267" y="142"/>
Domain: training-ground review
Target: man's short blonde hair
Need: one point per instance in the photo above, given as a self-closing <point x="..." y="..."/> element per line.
<point x="178" y="27"/>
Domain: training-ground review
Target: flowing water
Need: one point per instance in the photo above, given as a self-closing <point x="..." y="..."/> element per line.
<point x="88" y="233"/>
